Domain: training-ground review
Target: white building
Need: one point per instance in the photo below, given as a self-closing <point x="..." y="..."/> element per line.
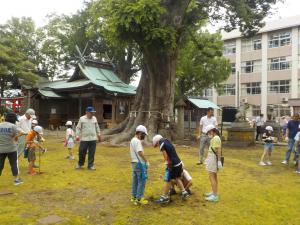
<point x="265" y="68"/>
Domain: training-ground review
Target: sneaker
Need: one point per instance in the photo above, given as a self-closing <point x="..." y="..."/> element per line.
<point x="78" y="167"/>
<point x="71" y="157"/>
<point x="91" y="168"/>
<point x="297" y="171"/>
<point x="285" y="162"/>
<point x="141" y="201"/>
<point x="18" y="181"/>
<point x="185" y="195"/>
<point x="269" y="163"/>
<point x="262" y="164"/>
<point x="199" y="163"/>
<point x="212" y="198"/>
<point x="208" y="194"/>
<point x="163" y="200"/>
<point x="172" y="191"/>
<point x="189" y="191"/>
<point x="133" y="199"/>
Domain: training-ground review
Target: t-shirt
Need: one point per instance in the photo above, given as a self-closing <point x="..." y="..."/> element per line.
<point x="259" y="121"/>
<point x="88" y="129"/>
<point x="267" y="137"/>
<point x="24" y="123"/>
<point x="30" y="138"/>
<point x="173" y="159"/>
<point x="7" y="133"/>
<point x="293" y="128"/>
<point x="205" y="121"/>
<point x="136" y="147"/>
<point x="69" y="135"/>
<point x="215" y="143"/>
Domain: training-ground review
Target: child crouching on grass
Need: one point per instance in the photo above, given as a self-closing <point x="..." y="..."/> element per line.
<point x="265" y="159"/>
<point x="31" y="137"/>
<point x="213" y="162"/>
<point x="174" y="165"/>
<point x="70" y="140"/>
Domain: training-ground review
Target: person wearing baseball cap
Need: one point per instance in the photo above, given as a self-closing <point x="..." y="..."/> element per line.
<point x="9" y="133"/>
<point x="25" y="123"/>
<point x="139" y="165"/>
<point x="87" y="132"/>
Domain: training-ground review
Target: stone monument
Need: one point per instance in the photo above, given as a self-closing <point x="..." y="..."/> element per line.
<point x="240" y="134"/>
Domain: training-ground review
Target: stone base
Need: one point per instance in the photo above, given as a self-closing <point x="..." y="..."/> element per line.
<point x="240" y="135"/>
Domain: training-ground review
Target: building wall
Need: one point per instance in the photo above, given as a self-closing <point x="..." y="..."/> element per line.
<point x="267" y="98"/>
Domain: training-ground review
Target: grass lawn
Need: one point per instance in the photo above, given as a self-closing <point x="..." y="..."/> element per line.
<point x="249" y="194"/>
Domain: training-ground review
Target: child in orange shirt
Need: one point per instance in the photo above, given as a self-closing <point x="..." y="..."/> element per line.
<point x="37" y="132"/>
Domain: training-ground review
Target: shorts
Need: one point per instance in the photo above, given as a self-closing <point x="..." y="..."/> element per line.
<point x="176" y="172"/>
<point x="268" y="146"/>
<point x="211" y="163"/>
<point x="31" y="155"/>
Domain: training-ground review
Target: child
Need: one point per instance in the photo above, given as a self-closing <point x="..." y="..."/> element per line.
<point x="9" y="134"/>
<point x="37" y="132"/>
<point x="174" y="165"/>
<point x="139" y="166"/>
<point x="34" y="123"/>
<point x="70" y="139"/>
<point x="268" y="147"/>
<point x="186" y="181"/>
<point x="213" y="162"/>
<point x="297" y="150"/>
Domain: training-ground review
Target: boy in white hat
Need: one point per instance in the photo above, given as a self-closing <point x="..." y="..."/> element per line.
<point x="265" y="159"/>
<point x="139" y="166"/>
<point x="37" y="132"/>
<point x="174" y="168"/>
<point x="70" y="140"/>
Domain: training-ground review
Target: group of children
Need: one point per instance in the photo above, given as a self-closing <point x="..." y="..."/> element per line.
<point x="268" y="140"/>
<point x="175" y="173"/>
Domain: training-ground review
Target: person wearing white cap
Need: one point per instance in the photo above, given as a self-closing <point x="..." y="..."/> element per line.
<point x="139" y="165"/>
<point x="213" y="162"/>
<point x="70" y="140"/>
<point x="25" y="124"/>
<point x="174" y="166"/>
<point x="36" y="133"/>
<point x="268" y="147"/>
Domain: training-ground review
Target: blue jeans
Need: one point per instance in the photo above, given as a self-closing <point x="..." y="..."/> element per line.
<point x="138" y="184"/>
<point x="291" y="144"/>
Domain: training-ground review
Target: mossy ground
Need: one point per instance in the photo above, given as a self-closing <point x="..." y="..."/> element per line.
<point x="249" y="194"/>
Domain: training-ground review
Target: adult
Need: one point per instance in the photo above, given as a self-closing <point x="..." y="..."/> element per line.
<point x="205" y="121"/>
<point x="25" y="125"/>
<point x="259" y="123"/>
<point x="88" y="132"/>
<point x="9" y="133"/>
<point x="291" y="131"/>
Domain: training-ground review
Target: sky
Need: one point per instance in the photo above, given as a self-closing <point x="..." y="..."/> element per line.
<point x="38" y="9"/>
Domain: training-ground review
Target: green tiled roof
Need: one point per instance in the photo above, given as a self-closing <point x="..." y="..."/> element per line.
<point x="100" y="77"/>
<point x="49" y="94"/>
<point x="203" y="103"/>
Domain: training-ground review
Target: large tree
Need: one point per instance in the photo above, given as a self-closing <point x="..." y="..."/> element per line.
<point x="158" y="27"/>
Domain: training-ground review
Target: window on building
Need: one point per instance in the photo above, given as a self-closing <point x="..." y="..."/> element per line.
<point x="251" y="44"/>
<point x="208" y="92"/>
<point x="280" y="63"/>
<point x="278" y="110"/>
<point x="229" y="89"/>
<point x="251" y="66"/>
<point x="256" y="111"/>
<point x="229" y="48"/>
<point x="233" y="69"/>
<point x="279" y="39"/>
<point x="251" y="88"/>
<point x="279" y="86"/>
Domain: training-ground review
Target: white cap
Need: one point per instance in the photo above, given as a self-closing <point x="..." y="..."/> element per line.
<point x="209" y="128"/>
<point x="38" y="129"/>
<point x="269" y="128"/>
<point x="30" y="112"/>
<point x="156" y="139"/>
<point x="33" y="117"/>
<point x="142" y="129"/>
<point x="34" y="122"/>
<point x="69" y="123"/>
